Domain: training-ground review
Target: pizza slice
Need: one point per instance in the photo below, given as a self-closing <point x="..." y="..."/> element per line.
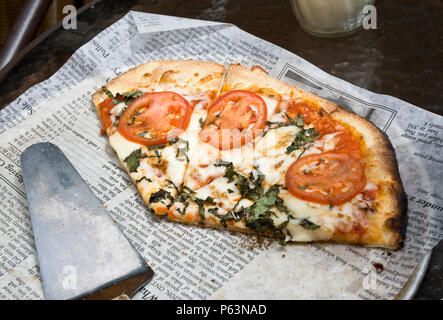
<point x="147" y="114"/>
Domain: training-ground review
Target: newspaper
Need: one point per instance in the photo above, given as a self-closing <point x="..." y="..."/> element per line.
<point x="201" y="263"/>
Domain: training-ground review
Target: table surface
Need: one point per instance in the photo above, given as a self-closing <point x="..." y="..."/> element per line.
<point x="401" y="58"/>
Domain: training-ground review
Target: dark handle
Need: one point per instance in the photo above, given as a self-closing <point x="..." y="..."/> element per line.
<point x="123" y="290"/>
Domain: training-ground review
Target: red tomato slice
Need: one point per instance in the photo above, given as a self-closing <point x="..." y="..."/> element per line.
<point x="234" y="119"/>
<point x="154" y="118"/>
<point x="105" y="114"/>
<point x="326" y="178"/>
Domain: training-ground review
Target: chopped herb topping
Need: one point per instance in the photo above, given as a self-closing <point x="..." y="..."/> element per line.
<point x="187" y="194"/>
<point x="107" y="92"/>
<point x="229" y="171"/>
<point x="182" y="153"/>
<point x="172" y="184"/>
<point x="300" y="123"/>
<point x="249" y="187"/>
<point x="264" y="203"/>
<point x="160" y="195"/>
<point x="305" y="223"/>
<point x="302" y="138"/>
<point x="143" y="178"/>
<point x="258" y="217"/>
<point x="201" y="207"/>
<point x="133" y="160"/>
<point x="225" y="217"/>
<point x="183" y="211"/>
<point x="156" y="147"/>
<point x="275" y="125"/>
<point x="127" y="97"/>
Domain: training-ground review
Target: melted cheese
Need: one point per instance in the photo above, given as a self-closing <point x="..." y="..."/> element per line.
<point x="122" y="146"/>
<point x="271" y="104"/>
<point x="268" y="156"/>
<point x="171" y="167"/>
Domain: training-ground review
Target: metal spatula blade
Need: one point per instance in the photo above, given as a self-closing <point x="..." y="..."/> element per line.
<point x="81" y="251"/>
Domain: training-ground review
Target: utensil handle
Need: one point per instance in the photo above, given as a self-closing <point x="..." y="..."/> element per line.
<point x="124" y="289"/>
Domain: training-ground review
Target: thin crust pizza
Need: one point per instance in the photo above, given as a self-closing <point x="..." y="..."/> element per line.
<point x="237" y="149"/>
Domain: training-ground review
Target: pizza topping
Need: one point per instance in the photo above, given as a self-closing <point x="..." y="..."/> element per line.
<point x="370" y="192"/>
<point x="133" y="160"/>
<point x="105" y="114"/>
<point x="305" y="223"/>
<point x="181" y="154"/>
<point x="160" y="195"/>
<point x="307" y="110"/>
<point x="234" y="119"/>
<point x="257" y="216"/>
<point x="303" y="138"/>
<point x="186" y="195"/>
<point x="225" y="217"/>
<point x="155" y="118"/>
<point x="337" y="138"/>
<point x="289" y="122"/>
<point x="107" y="105"/>
<point x="143" y="178"/>
<point x="327" y="178"/>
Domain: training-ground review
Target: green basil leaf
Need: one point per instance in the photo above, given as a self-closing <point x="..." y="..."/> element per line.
<point x="133" y="160"/>
<point x="305" y="223"/>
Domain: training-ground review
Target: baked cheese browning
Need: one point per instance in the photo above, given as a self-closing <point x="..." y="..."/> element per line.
<point x="311" y="172"/>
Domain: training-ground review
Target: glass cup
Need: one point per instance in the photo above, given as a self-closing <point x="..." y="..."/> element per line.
<point x="330" y="18"/>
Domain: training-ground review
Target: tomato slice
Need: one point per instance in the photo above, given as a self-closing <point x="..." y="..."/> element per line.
<point x="308" y="111"/>
<point x="326" y="178"/>
<point x="154" y="118"/>
<point x="234" y="119"/>
<point x="105" y="113"/>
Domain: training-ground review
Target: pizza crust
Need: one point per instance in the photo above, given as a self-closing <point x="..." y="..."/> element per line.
<point x="181" y="73"/>
<point x="239" y="77"/>
<point x="381" y="168"/>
